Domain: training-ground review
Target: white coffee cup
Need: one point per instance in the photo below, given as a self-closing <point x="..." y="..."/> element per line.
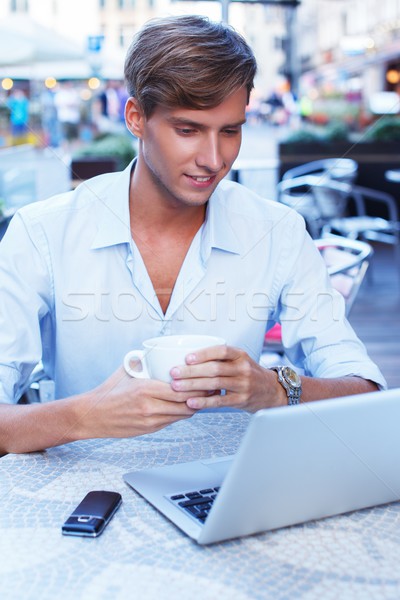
<point x="161" y="354"/>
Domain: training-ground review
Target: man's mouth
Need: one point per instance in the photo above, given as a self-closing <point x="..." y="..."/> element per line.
<point x="201" y="179"/>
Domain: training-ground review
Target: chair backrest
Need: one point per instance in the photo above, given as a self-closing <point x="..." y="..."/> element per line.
<point x="338" y="169"/>
<point x="28" y="174"/>
<point x="382" y="201"/>
<point x="347" y="262"/>
<point x="376" y="219"/>
<point x="329" y="197"/>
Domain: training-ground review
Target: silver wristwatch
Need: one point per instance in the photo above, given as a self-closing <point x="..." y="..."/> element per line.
<point x="291" y="381"/>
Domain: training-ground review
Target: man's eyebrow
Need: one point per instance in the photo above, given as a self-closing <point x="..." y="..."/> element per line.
<point x="189" y="123"/>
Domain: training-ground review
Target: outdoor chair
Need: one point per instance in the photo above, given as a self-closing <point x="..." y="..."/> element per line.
<point x="338" y="169"/>
<point x="365" y="225"/>
<point x="347" y="261"/>
<point x="294" y="191"/>
<point x="317" y="198"/>
<point x="344" y="209"/>
<point x="39" y="388"/>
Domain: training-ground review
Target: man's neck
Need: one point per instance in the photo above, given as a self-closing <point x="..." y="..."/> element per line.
<point x="163" y="232"/>
<point x="152" y="209"/>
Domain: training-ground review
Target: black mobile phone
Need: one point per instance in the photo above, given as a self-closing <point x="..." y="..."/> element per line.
<point x="92" y="515"/>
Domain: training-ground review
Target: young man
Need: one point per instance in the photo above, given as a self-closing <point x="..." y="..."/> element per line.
<point x="167" y="247"/>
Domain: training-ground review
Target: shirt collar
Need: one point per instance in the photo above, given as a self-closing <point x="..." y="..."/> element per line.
<point x="218" y="230"/>
<point x="113" y="222"/>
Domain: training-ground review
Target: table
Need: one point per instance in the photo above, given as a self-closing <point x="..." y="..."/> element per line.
<point x="252" y="164"/>
<point x="143" y="556"/>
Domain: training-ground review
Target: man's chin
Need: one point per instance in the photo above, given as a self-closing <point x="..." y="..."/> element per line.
<point x="195" y="199"/>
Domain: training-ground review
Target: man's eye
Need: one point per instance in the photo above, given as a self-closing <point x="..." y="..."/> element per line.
<point x="231" y="131"/>
<point x="185" y="130"/>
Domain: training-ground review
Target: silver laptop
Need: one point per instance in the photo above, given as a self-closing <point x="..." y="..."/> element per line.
<point x="294" y="464"/>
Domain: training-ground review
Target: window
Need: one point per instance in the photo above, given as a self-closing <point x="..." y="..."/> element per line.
<point x="126" y="4"/>
<point x="19" y="6"/>
<point x="126" y="34"/>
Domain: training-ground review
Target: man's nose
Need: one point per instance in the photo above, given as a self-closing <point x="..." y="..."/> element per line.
<point x="209" y="155"/>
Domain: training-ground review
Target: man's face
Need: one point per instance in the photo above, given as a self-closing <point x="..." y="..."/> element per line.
<point x="185" y="153"/>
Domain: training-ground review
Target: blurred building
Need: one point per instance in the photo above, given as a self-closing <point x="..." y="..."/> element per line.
<point x="73" y="19"/>
<point x="262" y="25"/>
<point x="104" y="28"/>
<point x="350" y="49"/>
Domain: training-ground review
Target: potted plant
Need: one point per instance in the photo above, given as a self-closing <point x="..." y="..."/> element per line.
<point x="106" y="153"/>
<point x="376" y="150"/>
<point x="311" y="142"/>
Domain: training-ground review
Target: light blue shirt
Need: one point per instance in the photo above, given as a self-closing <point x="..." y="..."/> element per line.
<point x="76" y="293"/>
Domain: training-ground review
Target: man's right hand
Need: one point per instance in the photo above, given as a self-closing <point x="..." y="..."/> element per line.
<point x="125" y="407"/>
<point x="120" y="407"/>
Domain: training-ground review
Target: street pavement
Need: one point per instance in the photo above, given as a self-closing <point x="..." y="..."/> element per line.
<point x="260" y="142"/>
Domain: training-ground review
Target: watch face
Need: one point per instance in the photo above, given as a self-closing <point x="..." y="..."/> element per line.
<point x="291" y="377"/>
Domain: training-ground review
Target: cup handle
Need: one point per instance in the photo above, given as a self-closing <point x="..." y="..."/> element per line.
<point x="138" y="355"/>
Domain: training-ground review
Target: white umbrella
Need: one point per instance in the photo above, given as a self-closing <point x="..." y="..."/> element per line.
<point x="25" y="42"/>
<point x="76" y="69"/>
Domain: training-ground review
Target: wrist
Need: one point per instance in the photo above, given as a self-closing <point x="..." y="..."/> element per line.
<point x="71" y="414"/>
<point x="290" y="383"/>
<point x="80" y="417"/>
<point x="279" y="392"/>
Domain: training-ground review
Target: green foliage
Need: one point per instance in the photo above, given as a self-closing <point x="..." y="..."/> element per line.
<point x="386" y="129"/>
<point x="110" y="145"/>
<point x="336" y="132"/>
<point x="302" y="136"/>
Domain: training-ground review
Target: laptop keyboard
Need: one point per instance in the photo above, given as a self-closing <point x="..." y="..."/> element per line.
<point x="197" y="503"/>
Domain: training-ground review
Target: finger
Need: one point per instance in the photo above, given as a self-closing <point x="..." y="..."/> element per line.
<point x="166" y="408"/>
<point x="216" y="401"/>
<point x="161" y="416"/>
<point x="213" y="353"/>
<point x="209" y="369"/>
<point x="166" y="413"/>
<point x="203" y="384"/>
<point x="156" y="408"/>
<point x="162" y="391"/>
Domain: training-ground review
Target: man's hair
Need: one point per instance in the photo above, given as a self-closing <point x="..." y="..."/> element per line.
<point x="187" y="61"/>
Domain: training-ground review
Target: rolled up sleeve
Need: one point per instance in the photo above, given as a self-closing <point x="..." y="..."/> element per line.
<point x="24" y="304"/>
<point x="315" y="331"/>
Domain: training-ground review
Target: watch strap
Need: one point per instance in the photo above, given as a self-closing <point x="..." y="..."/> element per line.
<point x="290" y="381"/>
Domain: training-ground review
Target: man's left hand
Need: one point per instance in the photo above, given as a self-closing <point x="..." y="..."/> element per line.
<point x="247" y="385"/>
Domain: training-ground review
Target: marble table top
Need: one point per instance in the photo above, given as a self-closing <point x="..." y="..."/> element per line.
<point x="141" y="555"/>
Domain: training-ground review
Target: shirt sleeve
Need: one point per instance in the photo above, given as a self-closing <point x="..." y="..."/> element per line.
<point x="25" y="302"/>
<point x="315" y="331"/>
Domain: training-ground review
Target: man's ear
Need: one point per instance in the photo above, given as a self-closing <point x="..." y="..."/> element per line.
<point x="134" y="117"/>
